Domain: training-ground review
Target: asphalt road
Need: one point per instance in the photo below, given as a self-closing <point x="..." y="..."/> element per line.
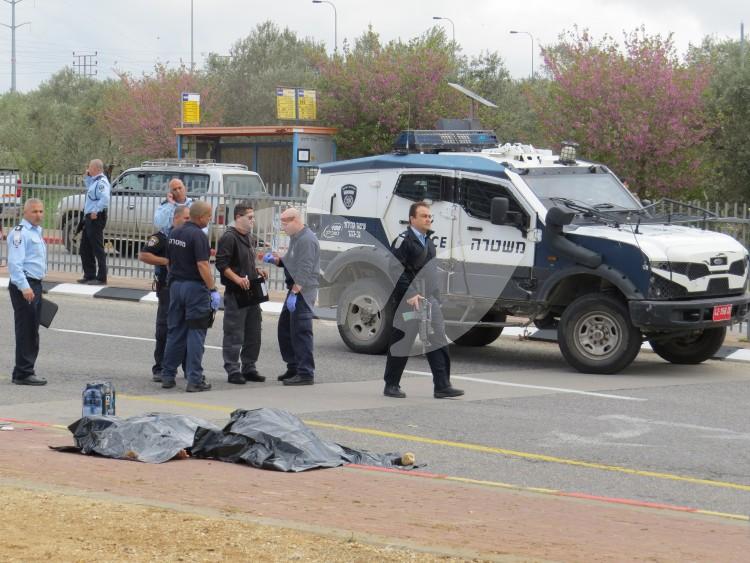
<point x="658" y="433"/>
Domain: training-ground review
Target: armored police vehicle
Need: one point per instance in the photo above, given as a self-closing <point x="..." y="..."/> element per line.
<point x="521" y="232"/>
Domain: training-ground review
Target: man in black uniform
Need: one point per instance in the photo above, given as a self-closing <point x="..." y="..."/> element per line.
<point x="154" y="252"/>
<point x="235" y="261"/>
<point x="192" y="297"/>
<point x="415" y="252"/>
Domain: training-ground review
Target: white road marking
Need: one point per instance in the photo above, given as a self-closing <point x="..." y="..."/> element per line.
<point x="542" y="387"/>
<point x="122" y="336"/>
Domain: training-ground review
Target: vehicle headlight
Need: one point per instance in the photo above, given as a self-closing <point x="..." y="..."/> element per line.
<point x="661" y="266"/>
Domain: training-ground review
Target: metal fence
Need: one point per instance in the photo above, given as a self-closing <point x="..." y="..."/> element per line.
<point x="130" y="221"/>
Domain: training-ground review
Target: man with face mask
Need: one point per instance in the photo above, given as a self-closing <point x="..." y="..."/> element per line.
<point x="235" y="261"/>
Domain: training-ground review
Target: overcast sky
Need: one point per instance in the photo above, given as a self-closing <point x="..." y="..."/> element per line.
<point x="132" y="35"/>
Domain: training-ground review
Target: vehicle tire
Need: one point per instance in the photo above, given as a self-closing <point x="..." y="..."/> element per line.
<point x="365" y="316"/>
<point x="595" y="334"/>
<point x="691" y="349"/>
<point x="71" y="241"/>
<point x="476" y="336"/>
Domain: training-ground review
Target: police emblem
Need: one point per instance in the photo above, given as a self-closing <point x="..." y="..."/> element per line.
<point x="348" y="195"/>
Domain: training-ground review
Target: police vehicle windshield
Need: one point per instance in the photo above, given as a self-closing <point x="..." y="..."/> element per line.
<point x="596" y="190"/>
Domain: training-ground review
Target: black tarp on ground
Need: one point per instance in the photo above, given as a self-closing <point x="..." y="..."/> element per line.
<point x="152" y="438"/>
<point x="275" y="439"/>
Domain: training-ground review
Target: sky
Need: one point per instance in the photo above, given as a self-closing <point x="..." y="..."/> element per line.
<point x="133" y="35"/>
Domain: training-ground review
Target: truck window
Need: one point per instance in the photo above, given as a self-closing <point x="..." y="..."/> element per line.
<point x="242" y="184"/>
<point x="416" y="187"/>
<point x="198" y="183"/>
<point x="476" y="197"/>
<point x="130" y="183"/>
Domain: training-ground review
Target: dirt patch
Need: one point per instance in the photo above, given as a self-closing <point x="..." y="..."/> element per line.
<point x="47" y="525"/>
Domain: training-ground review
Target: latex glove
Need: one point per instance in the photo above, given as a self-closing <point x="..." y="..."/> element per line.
<point x="269" y="258"/>
<point x="291" y="302"/>
<point x="215" y="300"/>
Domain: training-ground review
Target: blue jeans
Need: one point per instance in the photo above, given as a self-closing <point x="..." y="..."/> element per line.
<point x="189" y="303"/>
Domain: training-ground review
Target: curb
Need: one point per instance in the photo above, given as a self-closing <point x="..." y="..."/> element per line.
<point x="732" y="353"/>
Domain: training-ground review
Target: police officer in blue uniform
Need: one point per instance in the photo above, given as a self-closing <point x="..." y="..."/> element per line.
<point x="154" y="252"/>
<point x="94" y="220"/>
<point x="415" y="253"/>
<point x="193" y="299"/>
<point x="27" y="266"/>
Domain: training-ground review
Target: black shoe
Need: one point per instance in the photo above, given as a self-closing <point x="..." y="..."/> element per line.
<point x="96" y="282"/>
<point x="84" y="280"/>
<point x="254" y="376"/>
<point x="236" y="378"/>
<point x="448" y="392"/>
<point x="394" y="391"/>
<point x="288" y="374"/>
<point x="167" y="383"/>
<point x="156" y="378"/>
<point x="298" y="380"/>
<point x="30" y="380"/>
<point x="198" y="387"/>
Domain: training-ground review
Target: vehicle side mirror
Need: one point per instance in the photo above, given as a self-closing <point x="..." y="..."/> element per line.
<point x="559" y="217"/>
<point x="498" y="210"/>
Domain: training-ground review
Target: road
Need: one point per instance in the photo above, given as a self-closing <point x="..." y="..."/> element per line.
<point x="676" y="435"/>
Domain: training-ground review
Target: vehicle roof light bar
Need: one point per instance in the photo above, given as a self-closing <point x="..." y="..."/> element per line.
<point x="435" y="141"/>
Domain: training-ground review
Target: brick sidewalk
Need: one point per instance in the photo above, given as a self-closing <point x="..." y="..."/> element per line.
<point x="384" y="507"/>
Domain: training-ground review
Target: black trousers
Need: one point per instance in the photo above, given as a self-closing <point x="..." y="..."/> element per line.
<point x="92" y="247"/>
<point x="403" y="335"/>
<point x="295" y="333"/>
<point x="162" y="314"/>
<point x="26" y="317"/>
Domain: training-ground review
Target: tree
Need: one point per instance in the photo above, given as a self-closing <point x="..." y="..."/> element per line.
<point x="373" y="91"/>
<point x="248" y="77"/>
<point x="638" y="110"/>
<point x="728" y="148"/>
<point x="141" y="113"/>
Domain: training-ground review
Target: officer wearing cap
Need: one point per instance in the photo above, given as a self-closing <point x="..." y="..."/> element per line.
<point x="193" y="299"/>
<point x="415" y="252"/>
<point x="154" y="252"/>
<point x="93" y="255"/>
<point x="27" y="266"/>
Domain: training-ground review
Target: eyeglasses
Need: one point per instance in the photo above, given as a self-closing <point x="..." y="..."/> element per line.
<point x="250" y="216"/>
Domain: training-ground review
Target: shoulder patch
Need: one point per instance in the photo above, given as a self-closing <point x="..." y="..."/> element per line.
<point x="17" y="236"/>
<point x="399" y="241"/>
<point x="152" y="241"/>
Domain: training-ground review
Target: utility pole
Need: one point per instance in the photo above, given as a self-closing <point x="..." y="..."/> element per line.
<point x="12" y="28"/>
<point x="85" y="64"/>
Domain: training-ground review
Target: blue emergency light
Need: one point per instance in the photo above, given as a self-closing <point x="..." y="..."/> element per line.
<point x="435" y="141"/>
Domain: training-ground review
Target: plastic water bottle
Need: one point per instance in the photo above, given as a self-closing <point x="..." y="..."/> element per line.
<point x="92" y="402"/>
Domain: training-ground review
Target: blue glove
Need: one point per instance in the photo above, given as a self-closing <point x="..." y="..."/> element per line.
<point x="269" y="258"/>
<point x="291" y="302"/>
<point x="215" y="300"/>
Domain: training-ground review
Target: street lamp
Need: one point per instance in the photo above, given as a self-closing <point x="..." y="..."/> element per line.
<point x="335" y="23"/>
<point x="453" y="28"/>
<point x="513" y="31"/>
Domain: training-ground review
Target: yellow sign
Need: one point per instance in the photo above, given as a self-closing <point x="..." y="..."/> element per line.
<point x="191" y="108"/>
<point x="285" y="104"/>
<point x="307" y="104"/>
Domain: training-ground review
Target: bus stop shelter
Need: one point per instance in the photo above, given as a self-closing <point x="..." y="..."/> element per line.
<point x="282" y="155"/>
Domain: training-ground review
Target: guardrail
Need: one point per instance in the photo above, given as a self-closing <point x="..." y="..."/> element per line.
<point x="130" y="223"/>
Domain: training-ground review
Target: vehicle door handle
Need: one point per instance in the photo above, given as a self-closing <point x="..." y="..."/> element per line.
<point x="403" y="222"/>
<point x="474" y="228"/>
<point x="131" y="206"/>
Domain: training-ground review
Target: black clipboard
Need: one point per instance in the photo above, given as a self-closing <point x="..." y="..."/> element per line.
<point x="47" y="312"/>
<point x="257" y="294"/>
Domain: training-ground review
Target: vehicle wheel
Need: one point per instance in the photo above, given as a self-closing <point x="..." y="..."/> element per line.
<point x="71" y="241"/>
<point x="476" y="336"/>
<point x="595" y="335"/>
<point x="365" y="317"/>
<point x="692" y="349"/>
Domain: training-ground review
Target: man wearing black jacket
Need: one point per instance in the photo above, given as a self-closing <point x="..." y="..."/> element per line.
<point x="415" y="253"/>
<point x="235" y="261"/>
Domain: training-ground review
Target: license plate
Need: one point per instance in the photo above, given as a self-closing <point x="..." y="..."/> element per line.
<point x="722" y="313"/>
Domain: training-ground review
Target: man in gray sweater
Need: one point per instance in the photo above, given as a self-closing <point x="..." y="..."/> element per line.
<point x="301" y="265"/>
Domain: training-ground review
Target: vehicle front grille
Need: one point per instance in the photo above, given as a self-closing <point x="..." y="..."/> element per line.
<point x="693" y="270"/>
